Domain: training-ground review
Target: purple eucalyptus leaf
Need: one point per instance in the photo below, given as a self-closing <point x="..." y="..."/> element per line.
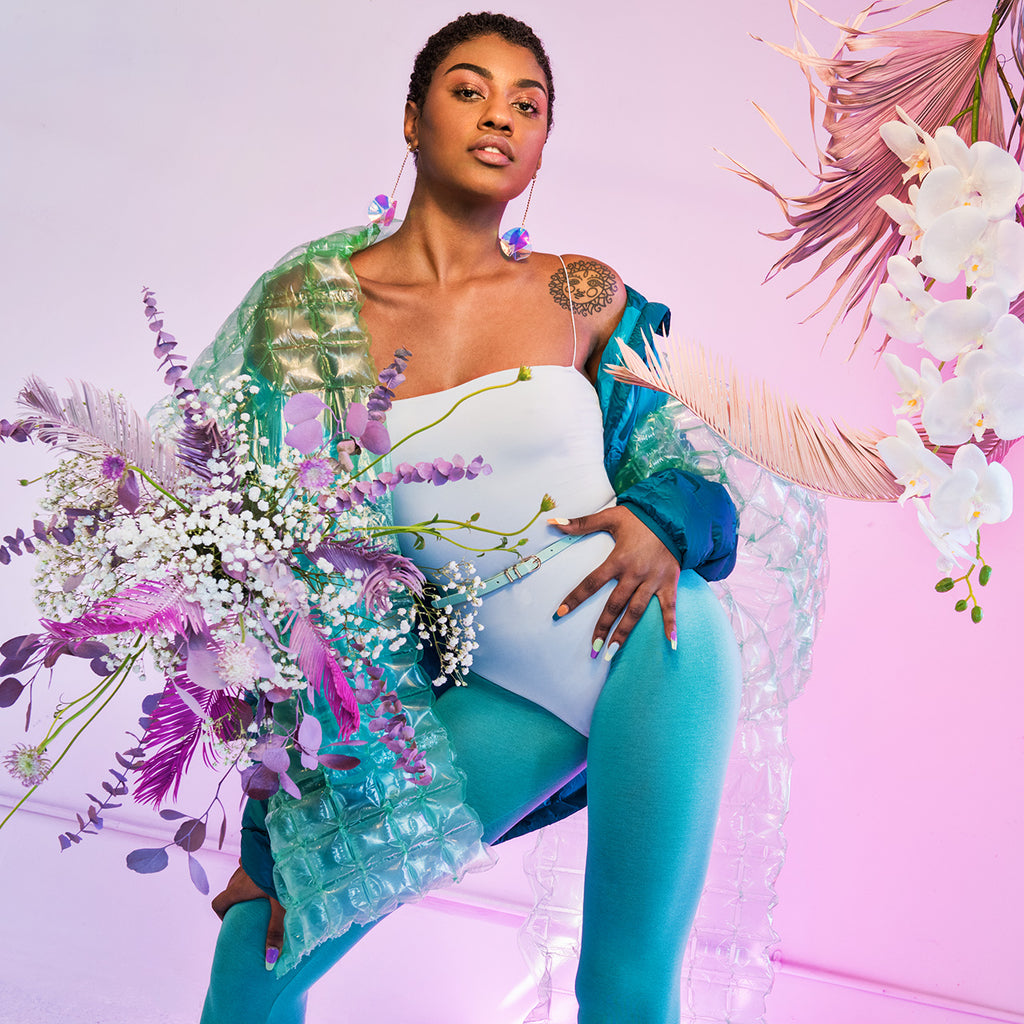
<point x="149" y="702"/>
<point x="288" y="785"/>
<point x="302" y="407"/>
<point x="100" y="667"/>
<point x="356" y="419"/>
<point x="191" y="834"/>
<point x="375" y="438"/>
<point x="5" y="556"/>
<point x="72" y="582"/>
<point x="198" y="875"/>
<point x="168" y="815"/>
<point x="10" y="691"/>
<point x="88" y="649"/>
<point x="259" y="783"/>
<point x="201" y="666"/>
<point x="306" y="436"/>
<point x="128" y="491"/>
<point x="17" y="644"/>
<point x="276" y="759"/>
<point x="65" y="843"/>
<point x="147" y="862"/>
<point x="338" y="762"/>
<point x="310" y="734"/>
<point x="223" y="831"/>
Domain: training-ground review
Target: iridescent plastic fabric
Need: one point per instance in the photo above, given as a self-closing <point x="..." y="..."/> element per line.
<point x="360" y="842"/>
<point x="775" y="600"/>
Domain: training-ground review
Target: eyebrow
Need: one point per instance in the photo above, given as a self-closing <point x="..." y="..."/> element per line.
<point x="523" y="83"/>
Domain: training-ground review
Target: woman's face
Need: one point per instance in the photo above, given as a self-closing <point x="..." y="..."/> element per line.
<point x="483" y="122"/>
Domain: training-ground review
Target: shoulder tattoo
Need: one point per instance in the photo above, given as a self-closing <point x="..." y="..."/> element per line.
<point x="592" y="286"/>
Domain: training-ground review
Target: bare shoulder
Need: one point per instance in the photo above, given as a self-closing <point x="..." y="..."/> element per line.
<point x="590" y="288"/>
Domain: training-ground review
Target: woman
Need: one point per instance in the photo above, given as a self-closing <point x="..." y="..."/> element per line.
<point x="642" y="691"/>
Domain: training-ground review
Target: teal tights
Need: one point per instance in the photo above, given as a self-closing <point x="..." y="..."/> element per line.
<point x="656" y="758"/>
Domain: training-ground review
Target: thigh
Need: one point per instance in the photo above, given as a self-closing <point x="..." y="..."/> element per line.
<point x="514" y="753"/>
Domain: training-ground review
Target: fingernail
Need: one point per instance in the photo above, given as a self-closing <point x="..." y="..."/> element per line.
<point x="610" y="650"/>
<point x="559" y="522"/>
<point x="674" y="640"/>
<point x="563" y="609"/>
<point x="272" y="955"/>
<point x="596" y="646"/>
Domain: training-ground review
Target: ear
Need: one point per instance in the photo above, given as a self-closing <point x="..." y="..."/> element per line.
<point x="412" y="124"/>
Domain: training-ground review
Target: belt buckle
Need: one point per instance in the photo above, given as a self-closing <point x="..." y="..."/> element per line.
<point x="513" y="572"/>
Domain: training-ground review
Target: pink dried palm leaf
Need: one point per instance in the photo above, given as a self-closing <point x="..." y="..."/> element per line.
<point x="931" y="75"/>
<point x="783" y="437"/>
<point x="97" y="423"/>
<point x="148" y="607"/>
<point x="319" y="663"/>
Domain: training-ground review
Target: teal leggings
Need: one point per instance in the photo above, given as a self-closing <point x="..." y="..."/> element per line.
<point x="656" y="758"/>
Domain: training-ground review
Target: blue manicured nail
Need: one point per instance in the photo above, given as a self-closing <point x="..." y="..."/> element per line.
<point x="596" y="646"/>
<point x="563" y="609"/>
<point x="272" y="955"/>
<point x="610" y="652"/>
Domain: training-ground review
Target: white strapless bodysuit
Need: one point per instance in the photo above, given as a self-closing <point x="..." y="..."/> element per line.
<point x="541" y="436"/>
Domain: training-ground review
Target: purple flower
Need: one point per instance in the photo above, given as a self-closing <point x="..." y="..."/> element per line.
<point x="316" y="474"/>
<point x="29" y="765"/>
<point x="113" y="467"/>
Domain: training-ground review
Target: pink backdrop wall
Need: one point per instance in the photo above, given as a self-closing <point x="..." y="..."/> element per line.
<point x="187" y="148"/>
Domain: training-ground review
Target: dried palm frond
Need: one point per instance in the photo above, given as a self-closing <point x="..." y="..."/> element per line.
<point x="932" y="75"/>
<point x="98" y="423"/>
<point x="777" y="434"/>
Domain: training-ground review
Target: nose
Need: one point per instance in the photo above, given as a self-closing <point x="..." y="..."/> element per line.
<point x="497" y="117"/>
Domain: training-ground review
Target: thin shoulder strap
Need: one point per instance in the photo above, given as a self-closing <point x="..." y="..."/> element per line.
<point x="572" y="312"/>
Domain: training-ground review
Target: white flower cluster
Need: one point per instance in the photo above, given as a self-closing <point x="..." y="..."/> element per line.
<point x="962" y="224"/>
<point x="451" y="628"/>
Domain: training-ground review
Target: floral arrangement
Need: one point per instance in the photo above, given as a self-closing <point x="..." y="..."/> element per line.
<point x="255" y="586"/>
<point x="921" y="220"/>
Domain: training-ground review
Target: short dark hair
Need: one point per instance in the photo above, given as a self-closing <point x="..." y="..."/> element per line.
<point x="472" y="26"/>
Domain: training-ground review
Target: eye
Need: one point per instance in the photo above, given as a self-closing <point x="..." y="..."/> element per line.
<point x="466" y="92"/>
<point x="528" y="107"/>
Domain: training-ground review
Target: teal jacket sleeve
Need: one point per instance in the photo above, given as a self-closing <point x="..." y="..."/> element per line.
<point x="692" y="515"/>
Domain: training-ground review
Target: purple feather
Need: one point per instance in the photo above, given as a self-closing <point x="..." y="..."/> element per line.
<point x="381" y="569"/>
<point x="174" y="734"/>
<point x="319" y="664"/>
<point x="149" y="607"/>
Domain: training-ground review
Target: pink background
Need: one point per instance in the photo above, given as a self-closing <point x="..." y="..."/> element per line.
<point x="187" y="147"/>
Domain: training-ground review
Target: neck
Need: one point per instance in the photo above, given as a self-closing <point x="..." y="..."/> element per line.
<point x="447" y="240"/>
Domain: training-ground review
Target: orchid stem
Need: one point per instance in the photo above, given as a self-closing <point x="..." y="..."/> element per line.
<point x="465" y="398"/>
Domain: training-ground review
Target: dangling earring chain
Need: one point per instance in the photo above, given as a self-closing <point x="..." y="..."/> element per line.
<point x="515" y="243"/>
<point x="382" y="209"/>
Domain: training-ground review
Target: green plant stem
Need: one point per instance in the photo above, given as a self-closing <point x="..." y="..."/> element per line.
<point x="122" y="670"/>
<point x="71" y="743"/>
<point x="998" y="16"/>
<point x="152" y="483"/>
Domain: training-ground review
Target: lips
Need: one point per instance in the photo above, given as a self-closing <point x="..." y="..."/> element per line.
<point x="494" y="150"/>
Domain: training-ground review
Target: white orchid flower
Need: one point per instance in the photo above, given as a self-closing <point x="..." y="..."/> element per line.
<point x="951" y="544"/>
<point x="975" y="492"/>
<point x="902" y="300"/>
<point x="905" y="216"/>
<point x="963" y="240"/>
<point x="914" y="388"/>
<point x="916" y="468"/>
<point x="905" y="141"/>
<point x="950" y="329"/>
<point x="990" y="179"/>
<point x="986" y="395"/>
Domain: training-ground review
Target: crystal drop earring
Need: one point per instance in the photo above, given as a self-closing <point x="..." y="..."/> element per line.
<point x="515" y="243"/>
<point x="382" y="209"/>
